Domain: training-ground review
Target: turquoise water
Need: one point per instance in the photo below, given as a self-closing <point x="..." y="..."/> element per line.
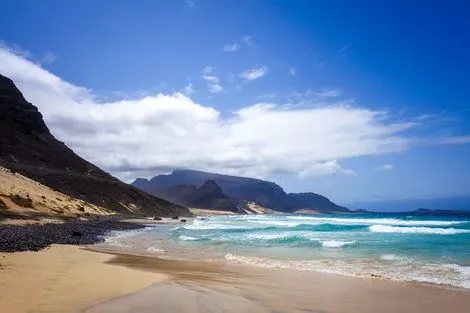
<point x="432" y="249"/>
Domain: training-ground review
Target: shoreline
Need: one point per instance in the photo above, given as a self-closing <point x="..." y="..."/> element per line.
<point x="242" y="288"/>
<point x="58" y="279"/>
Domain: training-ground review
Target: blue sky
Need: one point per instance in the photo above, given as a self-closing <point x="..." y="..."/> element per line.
<point x="398" y="64"/>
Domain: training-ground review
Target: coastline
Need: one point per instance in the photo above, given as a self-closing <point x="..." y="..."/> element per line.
<point x="93" y="279"/>
<point x="202" y="286"/>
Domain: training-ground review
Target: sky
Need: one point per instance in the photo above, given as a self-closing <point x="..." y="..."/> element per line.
<point x="356" y="100"/>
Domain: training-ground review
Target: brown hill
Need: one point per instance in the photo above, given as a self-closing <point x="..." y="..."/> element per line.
<point x="27" y="147"/>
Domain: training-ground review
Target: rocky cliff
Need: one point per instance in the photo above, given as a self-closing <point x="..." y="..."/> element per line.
<point x="27" y="147"/>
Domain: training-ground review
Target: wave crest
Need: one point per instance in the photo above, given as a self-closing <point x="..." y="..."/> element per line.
<point x="416" y="230"/>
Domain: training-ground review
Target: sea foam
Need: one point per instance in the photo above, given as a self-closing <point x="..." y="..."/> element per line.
<point x="368" y="221"/>
<point x="416" y="230"/>
<point x="440" y="274"/>
<point x="336" y="243"/>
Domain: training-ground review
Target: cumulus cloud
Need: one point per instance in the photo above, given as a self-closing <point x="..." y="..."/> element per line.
<point x="231" y="47"/>
<point x="160" y="132"/>
<point x="254" y="73"/>
<point x="213" y="82"/>
<point x="385" y="167"/>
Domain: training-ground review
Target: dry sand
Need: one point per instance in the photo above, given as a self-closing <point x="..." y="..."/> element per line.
<point x="64" y="279"/>
<point x="218" y="287"/>
<point x="70" y="279"/>
<point x="23" y="197"/>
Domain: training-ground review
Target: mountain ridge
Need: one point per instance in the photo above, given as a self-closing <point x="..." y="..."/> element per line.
<point x="28" y="147"/>
<point x="266" y="193"/>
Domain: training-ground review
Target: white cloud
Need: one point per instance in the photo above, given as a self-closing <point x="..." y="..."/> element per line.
<point x="156" y="133"/>
<point x="213" y="82"/>
<point x="324" y="168"/>
<point x="190" y="4"/>
<point x="254" y="73"/>
<point x="48" y="58"/>
<point x="292" y="71"/>
<point x="248" y="40"/>
<point x="189" y="89"/>
<point x="231" y="47"/>
<point x="385" y="167"/>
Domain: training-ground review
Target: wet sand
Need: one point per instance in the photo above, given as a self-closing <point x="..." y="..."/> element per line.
<point x="64" y="279"/>
<point x="220" y="287"/>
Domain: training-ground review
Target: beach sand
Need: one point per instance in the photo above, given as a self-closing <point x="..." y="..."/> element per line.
<point x="64" y="279"/>
<point x="221" y="287"/>
<point x="71" y="279"/>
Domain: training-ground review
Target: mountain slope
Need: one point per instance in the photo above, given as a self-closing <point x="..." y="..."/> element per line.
<point x="208" y="196"/>
<point x="27" y="147"/>
<point x="265" y="193"/>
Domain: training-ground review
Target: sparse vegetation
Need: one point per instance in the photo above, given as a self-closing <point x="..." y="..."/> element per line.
<point x="23" y="202"/>
<point x="3" y="206"/>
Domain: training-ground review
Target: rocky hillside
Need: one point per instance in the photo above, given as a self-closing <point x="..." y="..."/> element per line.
<point x="27" y="147"/>
<point x="208" y="196"/>
<point x="264" y="193"/>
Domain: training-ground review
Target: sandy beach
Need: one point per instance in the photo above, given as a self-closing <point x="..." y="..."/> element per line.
<point x="64" y="279"/>
<point x="71" y="279"/>
<point x="219" y="287"/>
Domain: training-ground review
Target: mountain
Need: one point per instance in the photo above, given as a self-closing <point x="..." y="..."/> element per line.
<point x="265" y="193"/>
<point x="268" y="194"/>
<point x="315" y="201"/>
<point x="208" y="196"/>
<point x="27" y="147"/>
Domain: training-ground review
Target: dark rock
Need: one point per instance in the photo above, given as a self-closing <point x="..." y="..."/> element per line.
<point x="157" y="218"/>
<point x="175" y="218"/>
<point x="36" y="237"/>
<point x="183" y="220"/>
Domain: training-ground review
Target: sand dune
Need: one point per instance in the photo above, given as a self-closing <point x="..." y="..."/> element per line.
<point x="23" y="197"/>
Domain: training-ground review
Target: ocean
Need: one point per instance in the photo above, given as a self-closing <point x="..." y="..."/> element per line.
<point x="427" y="249"/>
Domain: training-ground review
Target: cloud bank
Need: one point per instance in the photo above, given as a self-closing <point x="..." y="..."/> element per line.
<point x="154" y="134"/>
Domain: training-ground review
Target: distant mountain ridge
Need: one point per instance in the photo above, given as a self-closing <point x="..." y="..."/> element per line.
<point x="445" y="203"/>
<point x="209" y="195"/>
<point x="265" y="193"/>
<point x="27" y="147"/>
